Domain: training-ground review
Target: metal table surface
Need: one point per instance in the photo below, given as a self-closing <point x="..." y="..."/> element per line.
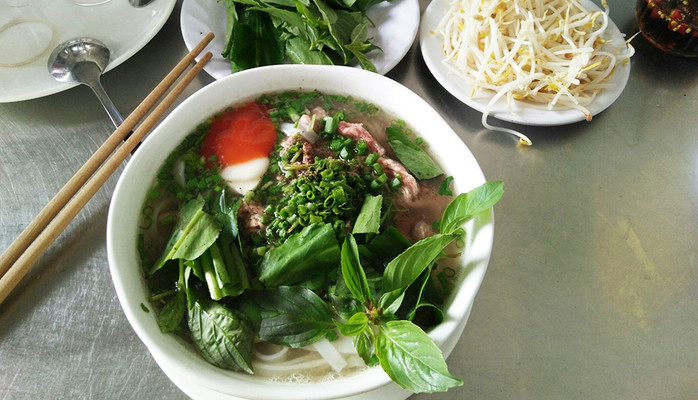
<point x="591" y="291"/>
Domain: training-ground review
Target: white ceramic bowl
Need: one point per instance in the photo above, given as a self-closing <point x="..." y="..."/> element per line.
<point x="183" y="365"/>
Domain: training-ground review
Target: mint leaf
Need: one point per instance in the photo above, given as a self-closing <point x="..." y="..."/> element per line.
<point x="467" y="205"/>
<point x="412" y="359"/>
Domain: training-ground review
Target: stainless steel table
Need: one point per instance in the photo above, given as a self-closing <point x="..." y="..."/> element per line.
<point x="591" y="291"/>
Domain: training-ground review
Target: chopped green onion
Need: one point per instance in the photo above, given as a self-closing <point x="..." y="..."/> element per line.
<point x="371" y="158"/>
<point x="361" y="148"/>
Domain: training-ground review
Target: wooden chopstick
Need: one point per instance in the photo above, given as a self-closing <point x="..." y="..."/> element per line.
<point x="64" y="216"/>
<point x="20" y="244"/>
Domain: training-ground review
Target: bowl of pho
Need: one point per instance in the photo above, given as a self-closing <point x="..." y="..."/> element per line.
<point x="302" y="232"/>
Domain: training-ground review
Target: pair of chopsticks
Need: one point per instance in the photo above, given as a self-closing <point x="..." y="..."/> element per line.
<point x="26" y="249"/>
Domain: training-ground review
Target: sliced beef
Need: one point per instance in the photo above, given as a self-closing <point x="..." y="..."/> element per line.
<point x="250" y="215"/>
<point x="306" y="147"/>
<point x="357" y="131"/>
<point x="305" y="119"/>
<point x="410" y="187"/>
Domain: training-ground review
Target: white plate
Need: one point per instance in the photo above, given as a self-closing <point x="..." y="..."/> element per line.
<point x="396" y="27"/>
<point x="30" y="29"/>
<point x="523" y="112"/>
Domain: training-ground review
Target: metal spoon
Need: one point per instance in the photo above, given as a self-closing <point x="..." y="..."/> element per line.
<point x="82" y="61"/>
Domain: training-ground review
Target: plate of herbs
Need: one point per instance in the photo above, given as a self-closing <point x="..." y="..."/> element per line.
<point x="371" y="34"/>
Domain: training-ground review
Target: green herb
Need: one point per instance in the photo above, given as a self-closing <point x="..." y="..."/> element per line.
<point x="445" y="187"/>
<point x="251" y="39"/>
<point x="415" y="159"/>
<point x="353" y="273"/>
<point x="172" y="314"/>
<point x="224" y="337"/>
<point x="223" y="271"/>
<point x="411" y="359"/>
<point x="465" y="206"/>
<point x="194" y="233"/>
<point x="307" y="32"/>
<point x="406" y="267"/>
<point x="312" y="251"/>
<point x="369" y="217"/>
<point x="292" y="316"/>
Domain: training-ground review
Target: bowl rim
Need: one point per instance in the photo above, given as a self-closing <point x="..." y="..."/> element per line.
<point x="388" y="95"/>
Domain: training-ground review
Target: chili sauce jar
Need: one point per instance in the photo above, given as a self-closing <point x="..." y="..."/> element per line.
<point x="670" y="25"/>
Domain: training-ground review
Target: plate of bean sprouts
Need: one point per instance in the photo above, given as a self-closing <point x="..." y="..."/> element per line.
<point x="531" y="62"/>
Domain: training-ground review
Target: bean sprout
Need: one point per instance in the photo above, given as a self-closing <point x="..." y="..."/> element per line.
<point x="541" y="51"/>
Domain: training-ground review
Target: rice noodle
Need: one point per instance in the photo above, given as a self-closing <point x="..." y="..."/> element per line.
<point x="321" y="360"/>
<point x="330" y="354"/>
<point x="549" y="52"/>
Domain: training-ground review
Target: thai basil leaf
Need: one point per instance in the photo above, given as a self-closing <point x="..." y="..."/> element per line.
<point x="360" y="45"/>
<point x="391" y="301"/>
<point x="353" y="273"/>
<point x="427" y="314"/>
<point x="342" y="301"/>
<point x="337" y="27"/>
<point x="222" y="336"/>
<point x="226" y="214"/>
<point x="406" y="267"/>
<point x="291" y="21"/>
<point x="412" y="359"/>
<point x="413" y="295"/>
<point x="445" y="187"/>
<point x="231" y="18"/>
<point x="385" y="246"/>
<point x="172" y="314"/>
<point x="369" y="219"/>
<point x="174" y="311"/>
<point x="298" y="50"/>
<point x="194" y="232"/>
<point x="292" y="316"/>
<point x="364" y="343"/>
<point x="255" y="41"/>
<point x="358" y="5"/>
<point x="354" y="325"/>
<point x="314" y="250"/>
<point x="467" y="205"/>
<point x="413" y="157"/>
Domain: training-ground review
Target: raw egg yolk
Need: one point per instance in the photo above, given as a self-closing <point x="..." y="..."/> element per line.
<point x="240" y="135"/>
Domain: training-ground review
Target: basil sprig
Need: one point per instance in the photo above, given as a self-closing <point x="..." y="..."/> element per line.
<point x="405" y="352"/>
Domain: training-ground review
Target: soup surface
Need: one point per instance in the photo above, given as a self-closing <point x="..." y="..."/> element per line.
<point x="303" y="236"/>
